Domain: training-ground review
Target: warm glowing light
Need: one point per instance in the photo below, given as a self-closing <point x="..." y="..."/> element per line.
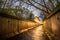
<point x="25" y="29"/>
<point x="37" y="33"/>
<point x="37" y="20"/>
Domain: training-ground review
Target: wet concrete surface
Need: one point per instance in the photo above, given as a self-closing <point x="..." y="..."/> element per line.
<point x="33" y="34"/>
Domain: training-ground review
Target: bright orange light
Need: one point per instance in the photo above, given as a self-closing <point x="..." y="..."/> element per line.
<point x="38" y="21"/>
<point x="37" y="33"/>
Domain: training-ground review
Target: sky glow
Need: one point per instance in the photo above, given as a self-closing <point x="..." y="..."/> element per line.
<point x="34" y="11"/>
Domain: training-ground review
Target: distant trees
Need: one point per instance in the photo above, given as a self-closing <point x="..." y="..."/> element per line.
<point x="6" y="3"/>
<point x="45" y="6"/>
<point x="9" y="7"/>
<point x="24" y="13"/>
<point x="21" y="13"/>
<point x="48" y="7"/>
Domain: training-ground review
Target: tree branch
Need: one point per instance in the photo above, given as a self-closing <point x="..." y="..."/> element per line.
<point x="54" y="11"/>
<point x="38" y="8"/>
<point x="42" y="5"/>
<point x="45" y="5"/>
<point x="4" y="3"/>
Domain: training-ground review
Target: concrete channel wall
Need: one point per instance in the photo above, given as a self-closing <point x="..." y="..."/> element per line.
<point x="10" y="27"/>
<point x="52" y="26"/>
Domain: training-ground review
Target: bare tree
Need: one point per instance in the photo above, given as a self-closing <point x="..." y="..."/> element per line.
<point x="46" y="6"/>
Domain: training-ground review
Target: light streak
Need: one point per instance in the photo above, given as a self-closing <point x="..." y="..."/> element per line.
<point x="38" y="33"/>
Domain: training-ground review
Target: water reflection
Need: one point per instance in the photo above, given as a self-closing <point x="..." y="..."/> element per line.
<point x="38" y="33"/>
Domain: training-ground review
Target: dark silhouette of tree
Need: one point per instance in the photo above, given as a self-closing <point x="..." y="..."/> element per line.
<point x="48" y="7"/>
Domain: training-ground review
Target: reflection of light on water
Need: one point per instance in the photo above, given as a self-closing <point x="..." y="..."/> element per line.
<point x="37" y="33"/>
<point x="25" y="30"/>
